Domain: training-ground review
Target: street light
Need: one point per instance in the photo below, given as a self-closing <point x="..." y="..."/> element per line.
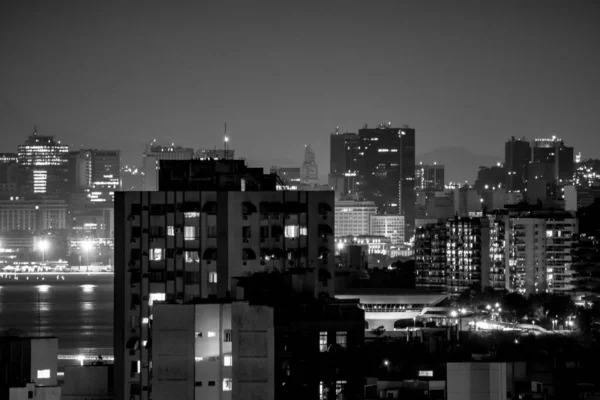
<point x="43" y="245"/>
<point x="87" y="245"/>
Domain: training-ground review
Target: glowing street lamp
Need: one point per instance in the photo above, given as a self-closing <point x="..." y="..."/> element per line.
<point x="42" y="246"/>
<point x="86" y="246"/>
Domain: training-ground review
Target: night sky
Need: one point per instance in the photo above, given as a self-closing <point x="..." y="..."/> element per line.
<point x="282" y="74"/>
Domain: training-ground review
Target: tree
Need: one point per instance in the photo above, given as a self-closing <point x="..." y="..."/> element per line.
<point x="516" y="303"/>
<point x="559" y="306"/>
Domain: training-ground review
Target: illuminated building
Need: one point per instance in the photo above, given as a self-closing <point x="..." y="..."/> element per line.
<point x="387" y="171"/>
<point x="192" y="239"/>
<point x="10" y="174"/>
<point x="310" y="170"/>
<point x="24" y="214"/>
<point x="45" y="161"/>
<point x="380" y="245"/>
<point x="537" y="246"/>
<point x="97" y="172"/>
<point x="394" y="308"/>
<point x="551" y="160"/>
<point x="499" y="270"/>
<point x="151" y="160"/>
<point x="343" y="169"/>
<point x="587" y="173"/>
<point x="430" y="256"/>
<point x="429" y="177"/>
<point x="352" y="217"/>
<point x="217" y="154"/>
<point x="391" y="226"/>
<point x="517" y="156"/>
<point x="467" y="254"/>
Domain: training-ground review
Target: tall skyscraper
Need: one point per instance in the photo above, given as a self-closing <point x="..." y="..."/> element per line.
<point x="194" y="241"/>
<point x="517" y="156"/>
<point x="551" y="160"/>
<point x="343" y="167"/>
<point x="429" y="177"/>
<point x="387" y="171"/>
<point x="44" y="161"/>
<point x="151" y="160"/>
<point x="310" y="170"/>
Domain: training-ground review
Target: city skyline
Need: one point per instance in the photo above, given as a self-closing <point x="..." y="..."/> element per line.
<point x="506" y="81"/>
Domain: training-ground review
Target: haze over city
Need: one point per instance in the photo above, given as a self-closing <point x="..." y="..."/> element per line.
<point x="316" y="200"/>
<point x="283" y="74"/>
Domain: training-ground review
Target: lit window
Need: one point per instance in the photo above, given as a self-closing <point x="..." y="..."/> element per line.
<point x="43" y="374"/>
<point x="548" y="233"/>
<point x="191" y="256"/>
<point x="156" y="254"/>
<point x="322" y="342"/>
<point x="191" y="214"/>
<point x="339" y="386"/>
<point x="144" y="320"/>
<point x="341" y="339"/>
<point x="292" y="231"/>
<point x="190" y="233"/>
<point x="139" y="366"/>
<point x="144" y="343"/>
<point x="170" y="231"/>
<point x="227" y="385"/>
<point x="227" y="360"/>
<point x="211" y="334"/>
<point x="197" y="359"/>
<point x="156" y="297"/>
<point x="212" y="277"/>
<point x="303" y="231"/>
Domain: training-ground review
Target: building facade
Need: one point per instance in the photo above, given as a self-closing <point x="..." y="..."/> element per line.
<point x="33" y="215"/>
<point x="429" y="177"/>
<point x="517" y="156"/>
<point x="343" y="169"/>
<point x="467" y="254"/>
<point x="45" y="164"/>
<point x="211" y="350"/>
<point x="151" y="162"/>
<point x="387" y="171"/>
<point x="430" y="256"/>
<point x="177" y="246"/>
<point x="391" y="226"/>
<point x="310" y="170"/>
<point x="353" y="217"/>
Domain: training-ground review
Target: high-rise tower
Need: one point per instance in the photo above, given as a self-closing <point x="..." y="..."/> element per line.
<point x="310" y="169"/>
<point x="387" y="171"/>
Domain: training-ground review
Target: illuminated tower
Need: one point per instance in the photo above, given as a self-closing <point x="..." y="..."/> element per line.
<point x="45" y="162"/>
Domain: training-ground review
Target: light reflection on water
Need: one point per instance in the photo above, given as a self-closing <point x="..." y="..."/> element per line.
<point x="77" y="310"/>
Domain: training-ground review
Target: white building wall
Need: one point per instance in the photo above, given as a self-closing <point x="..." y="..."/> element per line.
<point x="391" y="226"/>
<point x="352" y="218"/>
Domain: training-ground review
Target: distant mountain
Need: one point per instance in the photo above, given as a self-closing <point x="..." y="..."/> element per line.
<point x="459" y="164"/>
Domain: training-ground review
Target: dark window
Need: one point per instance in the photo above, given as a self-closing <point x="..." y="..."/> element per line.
<point x="246" y="232"/>
<point x="170" y="253"/>
<point x="227" y="335"/>
<point x="136" y="209"/>
<point x="198" y="384"/>
<point x="30" y="394"/>
<point x="211" y="383"/>
<point x="192" y="277"/>
<point x="264" y="232"/>
<point x="212" y="231"/>
<point x="157" y="276"/>
<point x="136" y="232"/>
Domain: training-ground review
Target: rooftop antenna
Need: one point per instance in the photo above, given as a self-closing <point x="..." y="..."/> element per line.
<point x="225" y="141"/>
<point x="35" y="130"/>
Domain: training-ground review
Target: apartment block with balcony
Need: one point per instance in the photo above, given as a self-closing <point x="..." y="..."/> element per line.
<point x="179" y="246"/>
<point x="430" y="256"/>
<point x="467" y="254"/>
